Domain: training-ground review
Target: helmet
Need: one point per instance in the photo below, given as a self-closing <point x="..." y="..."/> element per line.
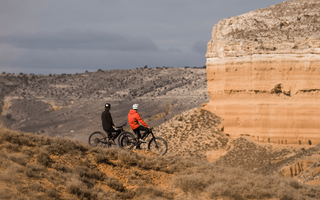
<point x="135" y="106"/>
<point x="107" y="105"/>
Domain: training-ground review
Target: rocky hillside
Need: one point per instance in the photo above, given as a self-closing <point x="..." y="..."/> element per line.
<point x="298" y="162"/>
<point x="71" y="104"/>
<point x="197" y="134"/>
<point x="193" y="133"/>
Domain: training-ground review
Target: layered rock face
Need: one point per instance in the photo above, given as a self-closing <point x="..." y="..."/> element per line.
<point x="263" y="72"/>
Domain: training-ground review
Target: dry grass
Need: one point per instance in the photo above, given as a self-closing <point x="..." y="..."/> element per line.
<point x="235" y="183"/>
<point x="40" y="167"/>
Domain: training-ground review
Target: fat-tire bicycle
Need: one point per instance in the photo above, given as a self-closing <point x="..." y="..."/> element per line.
<point x="99" y="139"/>
<point x="156" y="145"/>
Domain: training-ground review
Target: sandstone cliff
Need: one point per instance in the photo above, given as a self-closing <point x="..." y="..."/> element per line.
<point x="263" y="72"/>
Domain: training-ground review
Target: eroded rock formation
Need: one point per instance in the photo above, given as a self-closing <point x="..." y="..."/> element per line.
<point x="263" y="72"/>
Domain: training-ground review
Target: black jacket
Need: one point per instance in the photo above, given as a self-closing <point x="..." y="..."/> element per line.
<point x="107" y="122"/>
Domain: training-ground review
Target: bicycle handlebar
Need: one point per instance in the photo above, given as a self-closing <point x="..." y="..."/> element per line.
<point x="122" y="125"/>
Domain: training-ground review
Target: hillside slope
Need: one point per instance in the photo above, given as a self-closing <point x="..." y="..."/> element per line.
<point x="192" y="133"/>
<point x="71" y="104"/>
<point x="41" y="167"/>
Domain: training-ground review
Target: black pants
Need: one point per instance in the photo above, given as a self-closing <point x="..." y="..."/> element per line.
<point x="137" y="131"/>
<point x="112" y="133"/>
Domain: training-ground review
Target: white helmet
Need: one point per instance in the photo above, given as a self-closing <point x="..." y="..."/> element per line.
<point x="135" y="106"/>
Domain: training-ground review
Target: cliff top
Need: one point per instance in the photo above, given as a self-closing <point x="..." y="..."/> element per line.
<point x="286" y="28"/>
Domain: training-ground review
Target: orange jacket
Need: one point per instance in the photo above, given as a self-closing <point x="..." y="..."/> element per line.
<point x="134" y="118"/>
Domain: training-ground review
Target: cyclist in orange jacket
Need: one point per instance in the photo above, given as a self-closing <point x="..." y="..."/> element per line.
<point x="134" y="119"/>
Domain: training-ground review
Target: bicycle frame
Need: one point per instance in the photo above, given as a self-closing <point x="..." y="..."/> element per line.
<point x="147" y="133"/>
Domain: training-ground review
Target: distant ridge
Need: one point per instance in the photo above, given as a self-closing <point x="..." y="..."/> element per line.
<point x="71" y="104"/>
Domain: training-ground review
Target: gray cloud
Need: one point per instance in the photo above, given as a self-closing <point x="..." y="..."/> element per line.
<point x="72" y="39"/>
<point x="59" y="36"/>
<point x="200" y="47"/>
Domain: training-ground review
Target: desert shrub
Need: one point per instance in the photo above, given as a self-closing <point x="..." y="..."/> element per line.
<point x="113" y="153"/>
<point x="102" y="158"/>
<point x="172" y="164"/>
<point x="97" y="151"/>
<point x="44" y="158"/>
<point x="87" y="162"/>
<point x="36" y="187"/>
<point x="312" y="191"/>
<point x="17" y="137"/>
<point x="150" y="165"/>
<point x="45" y="140"/>
<point x="6" y="193"/>
<point x="61" y="167"/>
<point x="168" y="165"/>
<point x="152" y="192"/>
<point x="4" y="163"/>
<point x="36" y="196"/>
<point x="287" y="197"/>
<point x="24" y="139"/>
<point x="20" y="159"/>
<point x="28" y="152"/>
<point x="232" y="193"/>
<point x="114" y="184"/>
<point x="111" y="195"/>
<point x="74" y="187"/>
<point x="256" y="193"/>
<point x="193" y="183"/>
<point x="12" y="147"/>
<point x="125" y="195"/>
<point x="170" y="169"/>
<point x="295" y="184"/>
<point x="77" y="188"/>
<point x="3" y="156"/>
<point x="128" y="159"/>
<point x="88" y="182"/>
<point x="89" y="173"/>
<point x="22" y="189"/>
<point x="8" y="177"/>
<point x="52" y="192"/>
<point x="59" y="146"/>
<point x="34" y="171"/>
<point x="5" y="134"/>
<point x="58" y="177"/>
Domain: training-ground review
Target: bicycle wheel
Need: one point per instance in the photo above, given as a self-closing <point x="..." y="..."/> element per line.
<point x="120" y="136"/>
<point x="97" y="139"/>
<point x="158" y="145"/>
<point x="126" y="140"/>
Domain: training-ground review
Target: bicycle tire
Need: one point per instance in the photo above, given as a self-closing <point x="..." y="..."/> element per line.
<point x="126" y="140"/>
<point x="119" y="137"/>
<point x="158" y="145"/>
<point x="95" y="139"/>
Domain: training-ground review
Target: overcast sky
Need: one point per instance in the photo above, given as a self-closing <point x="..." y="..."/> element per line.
<point x="69" y="36"/>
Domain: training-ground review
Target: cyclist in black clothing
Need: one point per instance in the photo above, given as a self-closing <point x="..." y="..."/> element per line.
<point x="107" y="122"/>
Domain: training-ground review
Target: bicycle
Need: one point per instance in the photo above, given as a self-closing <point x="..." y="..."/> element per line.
<point x="98" y="138"/>
<point x="156" y="144"/>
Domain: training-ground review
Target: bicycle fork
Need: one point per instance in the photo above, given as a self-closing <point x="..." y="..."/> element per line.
<point x="155" y="142"/>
